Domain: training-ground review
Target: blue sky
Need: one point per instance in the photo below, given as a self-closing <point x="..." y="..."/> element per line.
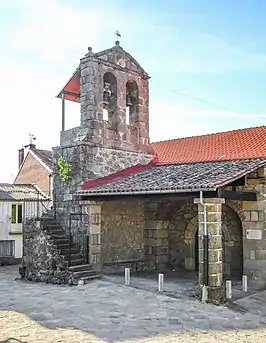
<point x="206" y="49"/>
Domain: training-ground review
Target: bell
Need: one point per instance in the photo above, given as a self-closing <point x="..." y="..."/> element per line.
<point x="105" y="105"/>
<point x="128" y="101"/>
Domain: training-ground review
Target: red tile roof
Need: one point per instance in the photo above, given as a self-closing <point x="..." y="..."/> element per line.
<point x="222" y="146"/>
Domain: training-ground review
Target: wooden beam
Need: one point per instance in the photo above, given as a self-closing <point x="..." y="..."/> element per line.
<point x="238" y="195"/>
<point x="63" y="112"/>
<point x="229" y="195"/>
<point x="76" y="95"/>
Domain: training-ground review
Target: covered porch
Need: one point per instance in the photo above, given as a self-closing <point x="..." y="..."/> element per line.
<point x="163" y="229"/>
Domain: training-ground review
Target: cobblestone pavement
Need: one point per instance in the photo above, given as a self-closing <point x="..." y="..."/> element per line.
<point x="103" y="311"/>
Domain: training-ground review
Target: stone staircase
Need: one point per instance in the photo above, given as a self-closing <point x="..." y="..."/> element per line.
<point x="80" y="270"/>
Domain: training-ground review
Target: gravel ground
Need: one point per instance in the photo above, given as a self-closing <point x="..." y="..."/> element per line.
<point x="103" y="311"/>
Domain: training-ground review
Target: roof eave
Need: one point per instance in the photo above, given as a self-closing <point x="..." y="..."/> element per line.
<point x="151" y="192"/>
<point x="73" y="75"/>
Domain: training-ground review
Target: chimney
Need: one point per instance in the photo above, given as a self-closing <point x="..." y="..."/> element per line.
<point x="22" y="153"/>
<point x="20" y="157"/>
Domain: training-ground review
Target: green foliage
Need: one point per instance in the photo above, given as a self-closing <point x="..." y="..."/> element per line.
<point x="64" y="169"/>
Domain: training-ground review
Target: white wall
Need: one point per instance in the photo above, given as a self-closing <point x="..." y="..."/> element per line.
<point x="4" y="220"/>
<point x="29" y="210"/>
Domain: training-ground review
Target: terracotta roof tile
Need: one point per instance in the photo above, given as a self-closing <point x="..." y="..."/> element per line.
<point x="222" y="146"/>
<point x="172" y="177"/>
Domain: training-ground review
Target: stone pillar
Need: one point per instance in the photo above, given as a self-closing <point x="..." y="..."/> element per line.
<point x="216" y="290"/>
<point x="156" y="238"/>
<point x="94" y="229"/>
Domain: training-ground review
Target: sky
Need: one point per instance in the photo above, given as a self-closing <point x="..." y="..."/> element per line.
<point x="206" y="59"/>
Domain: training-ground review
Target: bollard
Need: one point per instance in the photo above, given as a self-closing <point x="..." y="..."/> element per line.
<point x="228" y="288"/>
<point x="204" y="297"/>
<point x="81" y="283"/>
<point x="127" y="276"/>
<point x="244" y="283"/>
<point x="160" y="282"/>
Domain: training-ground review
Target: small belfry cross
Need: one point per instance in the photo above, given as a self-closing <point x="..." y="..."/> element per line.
<point x="117" y="33"/>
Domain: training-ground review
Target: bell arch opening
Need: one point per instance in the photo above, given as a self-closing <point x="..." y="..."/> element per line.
<point x="109" y="103"/>
<point x="132" y="102"/>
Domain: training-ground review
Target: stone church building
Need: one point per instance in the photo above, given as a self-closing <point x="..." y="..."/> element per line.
<point x="148" y="205"/>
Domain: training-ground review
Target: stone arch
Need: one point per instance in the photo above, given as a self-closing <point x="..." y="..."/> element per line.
<point x="191" y="244"/>
<point x="232" y="236"/>
<point x="110" y="94"/>
<point x="132" y="100"/>
<point x="236" y="206"/>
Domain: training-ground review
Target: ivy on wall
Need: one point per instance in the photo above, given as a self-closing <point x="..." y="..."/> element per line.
<point x="64" y="169"/>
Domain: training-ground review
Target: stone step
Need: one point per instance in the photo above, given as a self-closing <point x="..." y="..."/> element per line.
<point x="84" y="273"/>
<point x="86" y="279"/>
<point x="80" y="268"/>
<point x="63" y="246"/>
<point x="77" y="262"/>
<point x="57" y="234"/>
<point x="52" y="228"/>
<point x="91" y="277"/>
<point x="57" y="237"/>
<point x="76" y="256"/>
<point x="62" y="241"/>
<point x="65" y="252"/>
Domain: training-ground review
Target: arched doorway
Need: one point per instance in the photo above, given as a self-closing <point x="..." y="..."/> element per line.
<point x="232" y="236"/>
<point x="232" y="239"/>
<point x="192" y="245"/>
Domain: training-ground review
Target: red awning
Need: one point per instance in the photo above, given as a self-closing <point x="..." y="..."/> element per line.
<point x="72" y="88"/>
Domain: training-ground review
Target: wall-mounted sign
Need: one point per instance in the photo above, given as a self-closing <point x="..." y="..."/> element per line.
<point x="254" y="234"/>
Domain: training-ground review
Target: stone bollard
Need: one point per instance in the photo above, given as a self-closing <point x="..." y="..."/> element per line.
<point x="127" y="276"/>
<point x="160" y="282"/>
<point x="244" y="283"/>
<point x="81" y="283"/>
<point x="228" y="287"/>
<point x="204" y="296"/>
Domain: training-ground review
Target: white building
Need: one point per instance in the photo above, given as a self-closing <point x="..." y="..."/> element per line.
<point x="16" y="203"/>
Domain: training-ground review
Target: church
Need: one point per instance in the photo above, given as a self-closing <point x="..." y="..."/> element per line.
<point x="195" y="204"/>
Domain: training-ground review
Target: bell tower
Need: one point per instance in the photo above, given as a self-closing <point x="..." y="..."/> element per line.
<point x="113" y="91"/>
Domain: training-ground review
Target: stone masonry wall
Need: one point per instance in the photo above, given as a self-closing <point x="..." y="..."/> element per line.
<point x="41" y="257"/>
<point x="87" y="162"/>
<point x="253" y="219"/>
<point x="122" y="233"/>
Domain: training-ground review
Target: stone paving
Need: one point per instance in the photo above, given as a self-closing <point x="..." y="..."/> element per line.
<point x="103" y="311"/>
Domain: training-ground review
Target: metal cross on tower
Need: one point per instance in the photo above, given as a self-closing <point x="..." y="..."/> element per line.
<point x="32" y="137"/>
<point x="117" y="33"/>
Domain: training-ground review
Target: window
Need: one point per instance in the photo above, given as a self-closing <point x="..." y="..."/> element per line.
<point x="16" y="214"/>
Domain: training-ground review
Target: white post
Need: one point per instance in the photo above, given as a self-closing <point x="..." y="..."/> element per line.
<point x="127" y="276"/>
<point x="160" y="282"/>
<point x="81" y="282"/>
<point x="228" y="288"/>
<point x="204" y="297"/>
<point x="244" y="283"/>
